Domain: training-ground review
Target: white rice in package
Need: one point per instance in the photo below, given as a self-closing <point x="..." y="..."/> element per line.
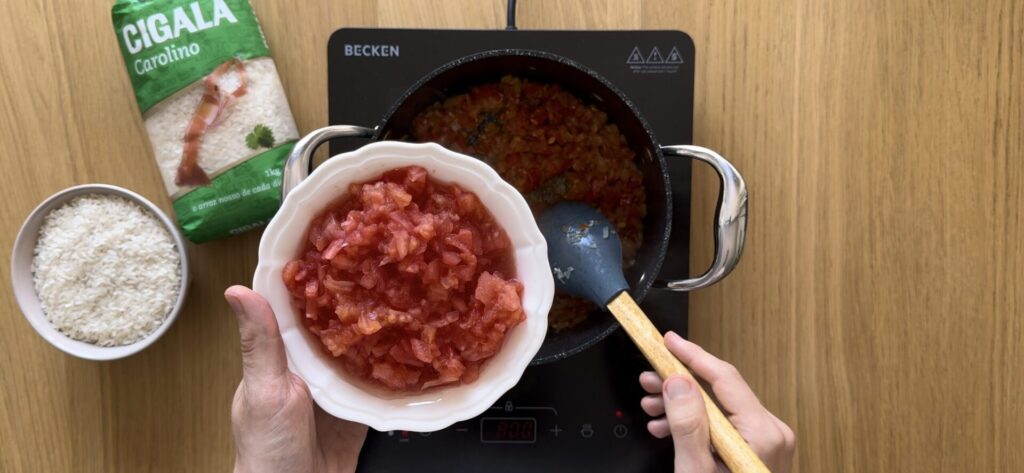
<point x="216" y="114"/>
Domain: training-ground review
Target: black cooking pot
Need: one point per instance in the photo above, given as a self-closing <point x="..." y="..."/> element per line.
<point x="459" y="76"/>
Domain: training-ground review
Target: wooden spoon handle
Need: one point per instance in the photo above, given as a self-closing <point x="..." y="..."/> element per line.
<point x="729" y="445"/>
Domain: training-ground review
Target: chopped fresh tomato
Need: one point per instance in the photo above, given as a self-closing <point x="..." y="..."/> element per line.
<point x="408" y="282"/>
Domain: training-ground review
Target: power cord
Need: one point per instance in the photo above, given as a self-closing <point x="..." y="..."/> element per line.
<point x="510" y="24"/>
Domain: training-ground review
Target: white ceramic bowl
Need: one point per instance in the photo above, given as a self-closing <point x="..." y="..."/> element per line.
<point x="24" y="288"/>
<point x="351" y="399"/>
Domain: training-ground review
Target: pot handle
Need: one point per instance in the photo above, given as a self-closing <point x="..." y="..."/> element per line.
<point x="730" y="218"/>
<point x="300" y="161"/>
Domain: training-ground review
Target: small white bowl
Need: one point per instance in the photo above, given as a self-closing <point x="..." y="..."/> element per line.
<point x="25" y="291"/>
<point x="352" y="399"/>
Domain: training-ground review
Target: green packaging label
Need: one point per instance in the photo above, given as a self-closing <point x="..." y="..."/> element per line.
<point x="243" y="198"/>
<point x="215" y="112"/>
<point x="170" y="44"/>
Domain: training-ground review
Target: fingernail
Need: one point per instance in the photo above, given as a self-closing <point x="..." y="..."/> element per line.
<point x="236" y="305"/>
<point x="677" y="388"/>
<point x="671" y="334"/>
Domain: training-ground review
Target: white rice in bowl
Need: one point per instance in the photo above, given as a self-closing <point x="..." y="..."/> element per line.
<point x="105" y="269"/>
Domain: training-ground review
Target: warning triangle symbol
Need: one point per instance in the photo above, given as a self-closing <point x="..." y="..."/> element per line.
<point x="635" y="57"/>
<point x="655" y="57"/>
<point x="674" y="57"/>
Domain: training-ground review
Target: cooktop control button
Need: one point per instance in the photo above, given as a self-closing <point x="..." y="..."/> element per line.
<point x="587" y="431"/>
<point x="555" y="430"/>
<point x="620" y="430"/>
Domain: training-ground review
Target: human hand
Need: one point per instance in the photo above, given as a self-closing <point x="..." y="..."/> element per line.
<point x="276" y="425"/>
<point x="685" y="418"/>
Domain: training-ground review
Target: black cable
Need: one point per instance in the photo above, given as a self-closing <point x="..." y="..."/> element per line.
<point x="510" y="24"/>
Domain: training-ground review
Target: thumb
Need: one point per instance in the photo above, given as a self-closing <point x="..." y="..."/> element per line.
<point x="263" y="358"/>
<point x="688" y="422"/>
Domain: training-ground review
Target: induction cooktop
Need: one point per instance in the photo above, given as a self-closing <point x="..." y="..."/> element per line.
<point x="581" y="413"/>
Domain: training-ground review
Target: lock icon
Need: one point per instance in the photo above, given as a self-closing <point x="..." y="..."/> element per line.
<point x="587" y="431"/>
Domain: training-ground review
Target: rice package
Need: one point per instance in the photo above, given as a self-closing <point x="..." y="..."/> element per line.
<point x="215" y="112"/>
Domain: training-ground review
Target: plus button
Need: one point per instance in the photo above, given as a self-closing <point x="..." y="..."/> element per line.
<point x="556" y="430"/>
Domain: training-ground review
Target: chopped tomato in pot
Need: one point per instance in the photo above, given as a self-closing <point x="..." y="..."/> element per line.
<point x="408" y="282"/>
<point x="552" y="147"/>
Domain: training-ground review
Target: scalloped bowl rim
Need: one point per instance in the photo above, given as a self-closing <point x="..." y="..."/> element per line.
<point x="355" y="400"/>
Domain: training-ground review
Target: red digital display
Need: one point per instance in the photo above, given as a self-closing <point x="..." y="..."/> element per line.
<point x="508" y="430"/>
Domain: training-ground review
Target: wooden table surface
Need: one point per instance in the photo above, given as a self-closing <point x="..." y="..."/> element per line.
<point x="878" y="309"/>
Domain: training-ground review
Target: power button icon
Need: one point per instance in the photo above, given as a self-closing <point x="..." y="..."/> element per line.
<point x="620" y="430"/>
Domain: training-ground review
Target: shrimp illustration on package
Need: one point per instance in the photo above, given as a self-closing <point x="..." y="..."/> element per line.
<point x="214" y="109"/>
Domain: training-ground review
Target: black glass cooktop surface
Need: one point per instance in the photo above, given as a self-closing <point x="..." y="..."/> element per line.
<point x="577" y="414"/>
